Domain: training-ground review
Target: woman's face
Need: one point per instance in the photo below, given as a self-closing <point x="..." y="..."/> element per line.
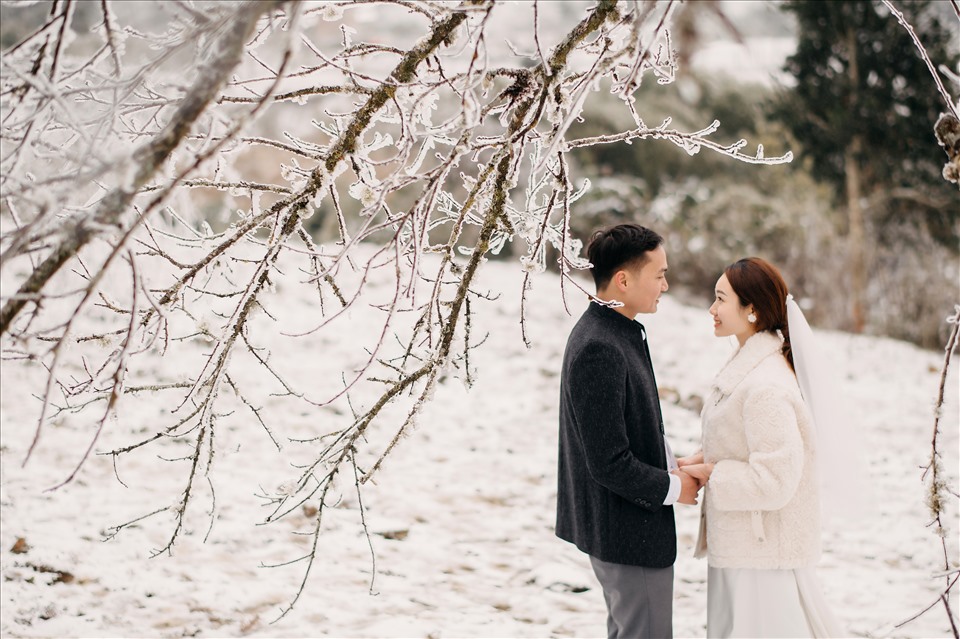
<point x="729" y="317"/>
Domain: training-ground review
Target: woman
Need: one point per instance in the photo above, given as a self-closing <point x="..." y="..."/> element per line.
<point x="760" y="521"/>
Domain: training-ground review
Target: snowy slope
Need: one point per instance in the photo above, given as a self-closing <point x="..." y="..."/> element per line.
<point x="461" y="517"/>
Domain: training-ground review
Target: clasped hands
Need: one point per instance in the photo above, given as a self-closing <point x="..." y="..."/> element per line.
<point x="694" y="474"/>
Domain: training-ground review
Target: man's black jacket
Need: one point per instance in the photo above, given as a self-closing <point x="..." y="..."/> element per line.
<point x="612" y="477"/>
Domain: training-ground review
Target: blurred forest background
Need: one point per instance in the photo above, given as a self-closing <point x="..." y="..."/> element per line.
<point x="862" y="223"/>
<point x="895" y="275"/>
<point x="799" y="215"/>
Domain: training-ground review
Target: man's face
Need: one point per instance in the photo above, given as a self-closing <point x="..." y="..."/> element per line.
<point x="646" y="284"/>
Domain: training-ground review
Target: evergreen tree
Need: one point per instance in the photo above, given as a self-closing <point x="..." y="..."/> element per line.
<point x="863" y="109"/>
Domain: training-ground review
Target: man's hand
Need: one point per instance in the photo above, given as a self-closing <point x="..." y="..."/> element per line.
<point x="689" y="486"/>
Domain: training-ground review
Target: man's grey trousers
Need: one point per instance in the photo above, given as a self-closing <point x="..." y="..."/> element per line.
<point x="639" y="600"/>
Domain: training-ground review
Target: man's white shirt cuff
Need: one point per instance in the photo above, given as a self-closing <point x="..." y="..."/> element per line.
<point x="675" y="486"/>
<point x="674" y="493"/>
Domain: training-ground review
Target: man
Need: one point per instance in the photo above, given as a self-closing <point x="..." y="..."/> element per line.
<point x="615" y="493"/>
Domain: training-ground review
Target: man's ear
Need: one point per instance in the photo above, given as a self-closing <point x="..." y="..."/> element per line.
<point x="620" y="280"/>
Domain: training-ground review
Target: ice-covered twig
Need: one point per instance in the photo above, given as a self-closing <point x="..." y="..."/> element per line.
<point x="947" y="98"/>
<point x="937" y="500"/>
<point x="689" y="142"/>
<point x="148" y="158"/>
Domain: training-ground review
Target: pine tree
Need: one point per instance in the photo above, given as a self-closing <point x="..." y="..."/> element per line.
<point x="863" y="109"/>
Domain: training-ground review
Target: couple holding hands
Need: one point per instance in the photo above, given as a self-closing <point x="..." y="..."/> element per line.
<point x="758" y="467"/>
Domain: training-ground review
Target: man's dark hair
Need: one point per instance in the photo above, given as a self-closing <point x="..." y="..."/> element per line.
<point x="624" y="245"/>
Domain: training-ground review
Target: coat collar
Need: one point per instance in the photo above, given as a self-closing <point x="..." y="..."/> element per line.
<point x="756" y="349"/>
<point x="615" y="318"/>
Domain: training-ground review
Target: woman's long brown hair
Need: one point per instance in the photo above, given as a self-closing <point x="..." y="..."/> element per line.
<point x="758" y="282"/>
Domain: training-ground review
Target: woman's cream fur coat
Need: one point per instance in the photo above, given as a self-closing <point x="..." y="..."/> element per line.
<point x="761" y="507"/>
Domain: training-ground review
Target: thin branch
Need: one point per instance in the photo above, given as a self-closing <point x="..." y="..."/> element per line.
<point x="923" y="54"/>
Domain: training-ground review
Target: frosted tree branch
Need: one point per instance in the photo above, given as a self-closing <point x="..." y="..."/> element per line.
<point x="151" y="213"/>
<point x="947" y="98"/>
<point x="938" y="488"/>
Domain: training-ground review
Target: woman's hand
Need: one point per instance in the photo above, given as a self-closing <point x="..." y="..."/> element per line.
<point x="696" y="458"/>
<point x="701" y="472"/>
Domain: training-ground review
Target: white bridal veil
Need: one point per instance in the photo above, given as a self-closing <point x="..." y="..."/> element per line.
<point x="843" y="485"/>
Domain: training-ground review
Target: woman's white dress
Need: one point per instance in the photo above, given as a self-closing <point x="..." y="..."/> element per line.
<point x="746" y="602"/>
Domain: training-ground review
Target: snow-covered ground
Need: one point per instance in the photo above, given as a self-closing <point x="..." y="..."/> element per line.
<point x="461" y="517"/>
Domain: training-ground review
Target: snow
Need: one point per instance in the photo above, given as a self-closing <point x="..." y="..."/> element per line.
<point x="461" y="515"/>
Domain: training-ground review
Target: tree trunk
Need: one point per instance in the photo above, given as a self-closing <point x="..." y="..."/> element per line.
<point x="858" y="267"/>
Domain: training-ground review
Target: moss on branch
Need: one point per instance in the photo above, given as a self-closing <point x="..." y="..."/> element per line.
<point x="148" y="157"/>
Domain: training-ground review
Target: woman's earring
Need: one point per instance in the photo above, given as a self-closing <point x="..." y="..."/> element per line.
<point x="751" y="318"/>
